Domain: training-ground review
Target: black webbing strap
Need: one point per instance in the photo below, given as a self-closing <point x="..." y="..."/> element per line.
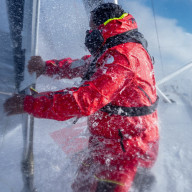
<point x="130" y="111"/>
<point x="129" y="36"/>
<point x="126" y="37"/>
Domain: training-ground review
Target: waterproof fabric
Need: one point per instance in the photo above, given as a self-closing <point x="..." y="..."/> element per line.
<point x="124" y="77"/>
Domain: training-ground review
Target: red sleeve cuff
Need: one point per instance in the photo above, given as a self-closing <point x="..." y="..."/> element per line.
<point x="51" y="68"/>
<point x="28" y="104"/>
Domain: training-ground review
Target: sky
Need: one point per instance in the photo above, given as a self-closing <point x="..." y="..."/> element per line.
<point x="175" y="9"/>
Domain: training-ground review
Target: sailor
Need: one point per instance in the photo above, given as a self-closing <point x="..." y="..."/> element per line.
<point x="117" y="94"/>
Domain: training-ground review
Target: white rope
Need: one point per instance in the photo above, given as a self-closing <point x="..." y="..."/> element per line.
<point x="6" y="93"/>
<point x="174" y="74"/>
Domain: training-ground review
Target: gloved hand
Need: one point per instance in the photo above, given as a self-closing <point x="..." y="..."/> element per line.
<point x="14" y="105"/>
<point x="37" y="65"/>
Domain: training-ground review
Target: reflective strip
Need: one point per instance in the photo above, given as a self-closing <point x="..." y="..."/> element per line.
<point x="33" y="90"/>
<point x="109" y="181"/>
<point x="122" y="16"/>
<point x="53" y="63"/>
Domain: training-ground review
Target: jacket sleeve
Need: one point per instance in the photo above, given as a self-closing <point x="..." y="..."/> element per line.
<point x="67" y="68"/>
<point x="104" y="86"/>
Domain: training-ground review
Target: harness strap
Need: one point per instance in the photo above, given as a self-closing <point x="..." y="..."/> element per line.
<point x="129" y="36"/>
<point x="130" y="111"/>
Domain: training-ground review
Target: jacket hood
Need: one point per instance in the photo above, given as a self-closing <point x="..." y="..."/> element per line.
<point x="117" y="26"/>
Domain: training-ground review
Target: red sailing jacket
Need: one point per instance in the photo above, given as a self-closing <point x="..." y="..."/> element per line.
<point x="123" y="77"/>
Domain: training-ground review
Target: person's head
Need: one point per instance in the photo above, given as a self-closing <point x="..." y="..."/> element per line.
<point x="94" y="39"/>
<point x="104" y="12"/>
